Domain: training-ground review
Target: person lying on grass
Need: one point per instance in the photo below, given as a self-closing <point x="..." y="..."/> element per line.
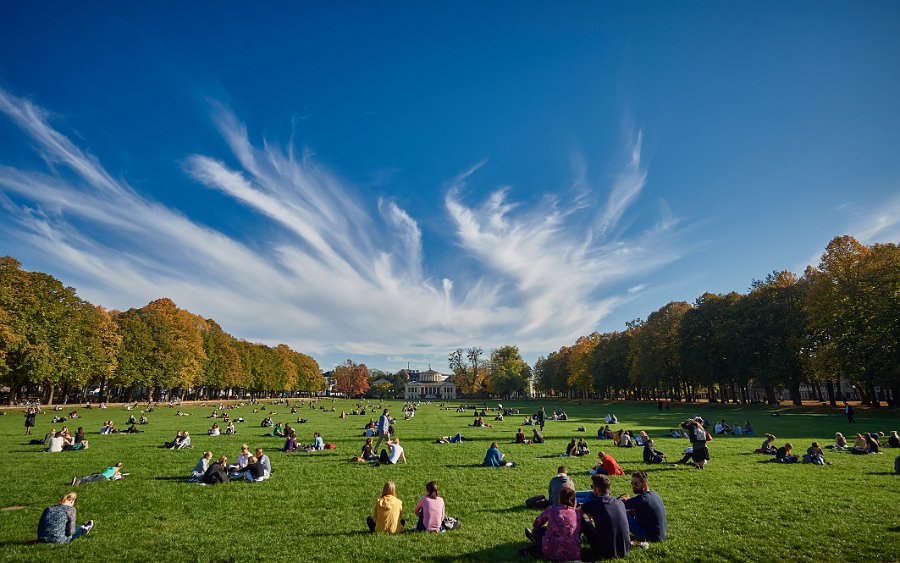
<point x="388" y="512"/>
<point x="450" y="439"/>
<point x="111" y="473"/>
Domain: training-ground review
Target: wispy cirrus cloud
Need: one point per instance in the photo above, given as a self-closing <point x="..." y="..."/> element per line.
<point x="345" y="278"/>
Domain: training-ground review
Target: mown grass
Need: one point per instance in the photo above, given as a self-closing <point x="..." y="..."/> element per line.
<point x="313" y="509"/>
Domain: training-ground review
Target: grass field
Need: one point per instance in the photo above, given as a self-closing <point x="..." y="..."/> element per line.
<point x="738" y="509"/>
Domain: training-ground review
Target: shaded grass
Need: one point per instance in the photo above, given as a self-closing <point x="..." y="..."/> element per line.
<point x="314" y="507"/>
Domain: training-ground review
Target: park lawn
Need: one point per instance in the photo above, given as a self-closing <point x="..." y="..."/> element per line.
<point x="739" y="508"/>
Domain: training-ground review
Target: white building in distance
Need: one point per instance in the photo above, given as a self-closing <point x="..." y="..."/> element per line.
<point x="429" y="385"/>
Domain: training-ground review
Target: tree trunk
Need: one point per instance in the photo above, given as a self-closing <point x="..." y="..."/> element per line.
<point x="770" y="394"/>
<point x="829" y="389"/>
<point x="794" y="389"/>
<point x="874" y="396"/>
<point x="50" y="392"/>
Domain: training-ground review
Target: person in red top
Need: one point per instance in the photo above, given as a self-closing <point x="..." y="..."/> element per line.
<point x="607" y="466"/>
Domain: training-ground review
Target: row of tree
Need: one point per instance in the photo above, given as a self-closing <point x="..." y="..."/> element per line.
<point x="53" y="340"/>
<point x="839" y="322"/>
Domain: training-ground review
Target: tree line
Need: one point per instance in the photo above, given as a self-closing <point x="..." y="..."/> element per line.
<point x="837" y="323"/>
<point x="55" y="341"/>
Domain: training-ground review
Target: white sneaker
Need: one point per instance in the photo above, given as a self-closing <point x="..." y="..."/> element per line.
<point x="87" y="526"/>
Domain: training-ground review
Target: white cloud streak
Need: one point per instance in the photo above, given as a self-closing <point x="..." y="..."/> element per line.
<point x="343" y="279"/>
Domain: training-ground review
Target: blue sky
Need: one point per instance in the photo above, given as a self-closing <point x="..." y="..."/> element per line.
<point x="388" y="182"/>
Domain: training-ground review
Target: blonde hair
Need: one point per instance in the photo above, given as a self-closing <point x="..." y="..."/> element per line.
<point x="389" y="489"/>
<point x="71" y="496"/>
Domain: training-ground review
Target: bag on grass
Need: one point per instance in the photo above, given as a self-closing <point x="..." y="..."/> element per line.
<point x="538" y="501"/>
<point x="330" y="446"/>
<point x="450" y="523"/>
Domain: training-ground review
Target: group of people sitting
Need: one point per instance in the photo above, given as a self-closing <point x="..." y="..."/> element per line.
<point x="722" y="427"/>
<point x="182" y="441"/>
<point x="64" y="440"/>
<point x="608" y="524"/>
<point x="292" y="445"/>
<point x="250" y="467"/>
<point x="430" y="512"/>
<point x="577" y="449"/>
<point x="536" y="437"/>
<point x="215" y="430"/>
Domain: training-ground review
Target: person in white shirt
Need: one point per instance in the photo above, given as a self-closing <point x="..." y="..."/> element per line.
<point x="396" y="452"/>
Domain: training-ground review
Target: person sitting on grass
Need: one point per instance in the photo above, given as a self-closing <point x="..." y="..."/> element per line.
<point x="607" y="466"/>
<point x="859" y="446"/>
<point x="814" y="455"/>
<point x="214" y="431"/>
<point x="494" y="458"/>
<point x="784" y="455"/>
<point x="111" y="473"/>
<point x="646" y="512"/>
<point x="264" y="461"/>
<point x="520" y="437"/>
<point x="560" y="538"/>
<point x="201" y="467"/>
<point x="893" y="440"/>
<point x="318" y="442"/>
<point x="605" y="523"/>
<point x="768" y="446"/>
<point x="652" y="455"/>
<point x="253" y="471"/>
<point x="242" y="460"/>
<point x="216" y="473"/>
<point x="56" y="443"/>
<point x="748" y="428"/>
<point x="58" y="522"/>
<point x="582" y="447"/>
<point x="536" y="437"/>
<point x="395" y="456"/>
<point x="430" y="510"/>
<point x="571" y="449"/>
<point x="290" y="445"/>
<point x="840" y="443"/>
<point x="230" y="430"/>
<point x="558" y="483"/>
<point x="185" y="442"/>
<point x="388" y="512"/>
<point x="174" y="443"/>
<point x="366" y="453"/>
<point x="143" y="420"/>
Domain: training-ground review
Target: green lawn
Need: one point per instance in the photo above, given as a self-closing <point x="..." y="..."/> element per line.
<point x="314" y="507"/>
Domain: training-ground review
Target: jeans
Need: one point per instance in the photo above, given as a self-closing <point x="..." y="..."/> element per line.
<point x="635" y="528"/>
<point x="93" y="478"/>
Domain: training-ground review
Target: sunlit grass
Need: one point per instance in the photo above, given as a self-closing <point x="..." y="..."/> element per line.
<point x="739" y="508"/>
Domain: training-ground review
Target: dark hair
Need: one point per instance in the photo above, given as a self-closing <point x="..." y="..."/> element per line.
<point x="641" y="475"/>
<point x="561" y="469"/>
<point x="567" y="497"/>
<point x="432" y="489"/>
<point x="601" y="482"/>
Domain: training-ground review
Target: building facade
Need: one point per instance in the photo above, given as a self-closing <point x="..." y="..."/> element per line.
<point x="429" y="385"/>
